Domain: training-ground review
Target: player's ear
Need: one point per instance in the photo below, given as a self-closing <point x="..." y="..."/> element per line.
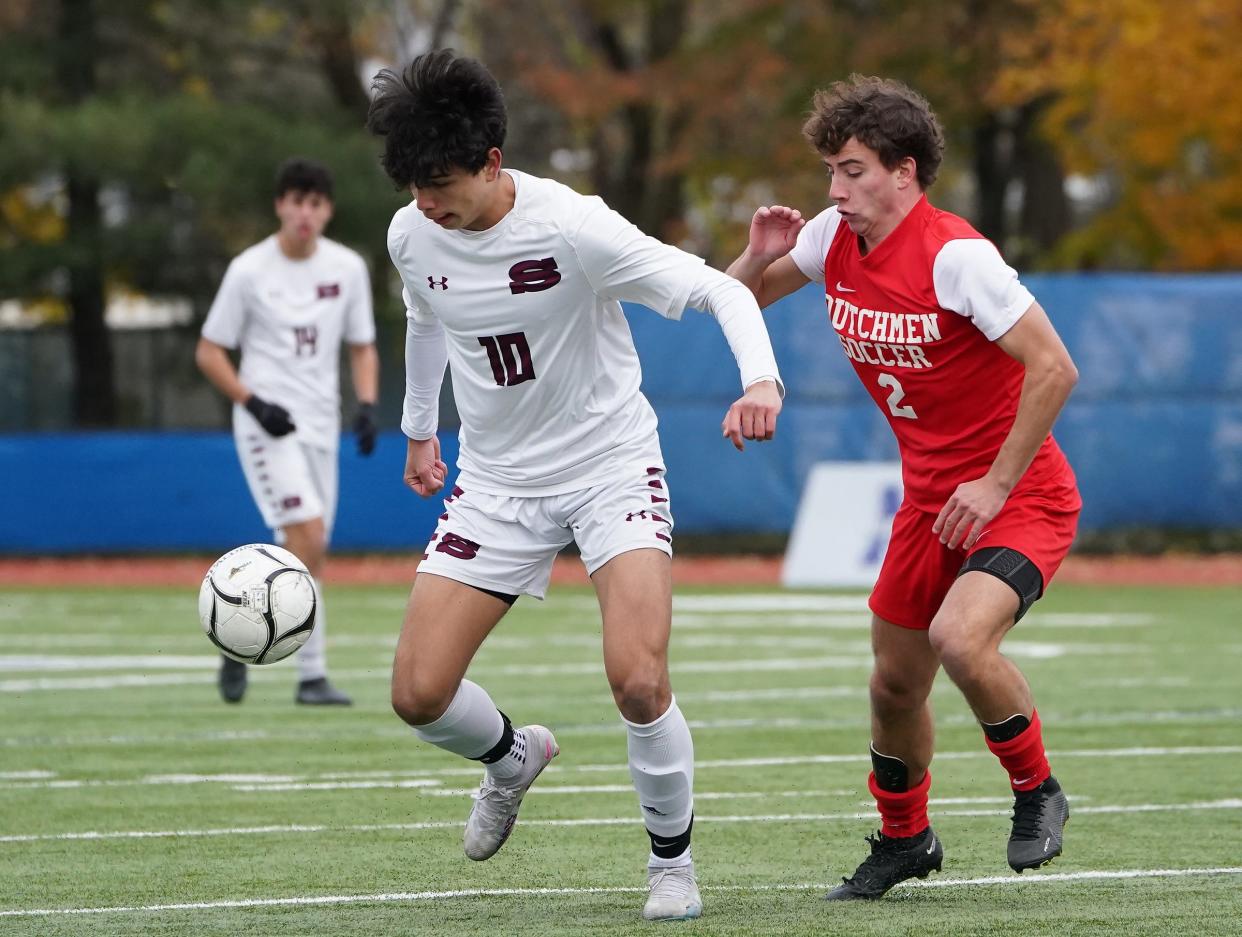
<point x="491" y="169"/>
<point x="907" y="172"/>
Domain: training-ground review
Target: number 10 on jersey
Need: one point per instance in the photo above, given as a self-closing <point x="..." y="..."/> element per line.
<point x="509" y="356"/>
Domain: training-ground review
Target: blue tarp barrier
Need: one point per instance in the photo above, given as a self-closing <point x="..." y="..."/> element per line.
<point x="1154" y="431"/>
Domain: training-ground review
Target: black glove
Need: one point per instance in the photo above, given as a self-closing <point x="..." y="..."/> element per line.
<point x="271" y="416"/>
<point x="365" y="428"/>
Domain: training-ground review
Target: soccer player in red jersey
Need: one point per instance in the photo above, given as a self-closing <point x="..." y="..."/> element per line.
<point x="971" y="375"/>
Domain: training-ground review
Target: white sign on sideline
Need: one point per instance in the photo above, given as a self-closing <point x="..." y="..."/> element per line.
<point x="843" y="523"/>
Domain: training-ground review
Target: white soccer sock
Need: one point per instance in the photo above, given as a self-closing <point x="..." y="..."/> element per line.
<point x="471" y="726"/>
<point x="661" y="757"/>
<point x="658" y="862"/>
<point x="313" y="655"/>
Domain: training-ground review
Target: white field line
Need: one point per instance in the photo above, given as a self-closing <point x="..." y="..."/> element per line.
<point x="769" y="624"/>
<point x="586" y="668"/>
<point x="49" y="663"/>
<point x="707" y="765"/>
<point x="607" y="727"/>
<point x="1202" y="717"/>
<point x="206" y="666"/>
<point x="771" y="694"/>
<point x="699" y="666"/>
<point x="745" y="621"/>
<point x="58" y="684"/>
<point x="848" y="816"/>
<point x="391" y="897"/>
<point x="1087" y="620"/>
<point x="770" y="602"/>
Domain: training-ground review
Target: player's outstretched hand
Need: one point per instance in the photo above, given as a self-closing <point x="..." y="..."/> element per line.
<point x="774" y="231"/>
<point x="271" y="416"/>
<point x="968" y="512"/>
<point x="365" y="429"/>
<point x="424" y="471"/>
<point x="753" y="416"/>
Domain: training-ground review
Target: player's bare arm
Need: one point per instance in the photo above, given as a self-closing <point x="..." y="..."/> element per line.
<point x="213" y="360"/>
<point x="765" y="266"/>
<point x="1050" y="376"/>
<point x="364" y="368"/>
<point x="424" y="470"/>
<point x="753" y="415"/>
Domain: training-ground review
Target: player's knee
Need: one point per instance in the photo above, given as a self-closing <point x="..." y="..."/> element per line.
<point x="419" y="703"/>
<point x="642" y="694"/>
<point x="894" y="692"/>
<point x="962" y="645"/>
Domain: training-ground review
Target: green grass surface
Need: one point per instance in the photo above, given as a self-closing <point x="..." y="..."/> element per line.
<point x="112" y="726"/>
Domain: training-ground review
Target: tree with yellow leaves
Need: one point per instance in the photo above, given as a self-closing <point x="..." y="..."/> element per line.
<point x="1145" y="97"/>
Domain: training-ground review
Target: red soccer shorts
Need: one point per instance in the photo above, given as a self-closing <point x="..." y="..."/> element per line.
<point x="918" y="570"/>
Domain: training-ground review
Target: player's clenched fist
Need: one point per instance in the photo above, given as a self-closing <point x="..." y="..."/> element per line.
<point x="424" y="471"/>
<point x="754" y="415"/>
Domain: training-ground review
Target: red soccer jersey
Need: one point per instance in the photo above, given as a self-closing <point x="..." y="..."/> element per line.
<point x="918" y="317"/>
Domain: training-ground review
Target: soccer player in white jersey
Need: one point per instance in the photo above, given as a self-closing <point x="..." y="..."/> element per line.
<point x="516" y="282"/>
<point x="288" y="303"/>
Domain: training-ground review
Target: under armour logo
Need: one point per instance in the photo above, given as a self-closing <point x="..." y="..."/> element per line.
<point x="432" y="283"/>
<point x="642" y="514"/>
<point x="533" y="276"/>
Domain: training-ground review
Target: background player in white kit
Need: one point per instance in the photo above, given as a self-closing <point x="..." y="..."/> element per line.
<point x="287" y="303"/>
<point x="516" y="281"/>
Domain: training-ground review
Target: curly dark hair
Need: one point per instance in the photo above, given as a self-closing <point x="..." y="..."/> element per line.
<point x="303" y="175"/>
<point x="884" y="115"/>
<point x="442" y="112"/>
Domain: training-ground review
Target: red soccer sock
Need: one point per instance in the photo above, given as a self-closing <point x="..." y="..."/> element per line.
<point x="903" y="813"/>
<point x="1023" y="757"/>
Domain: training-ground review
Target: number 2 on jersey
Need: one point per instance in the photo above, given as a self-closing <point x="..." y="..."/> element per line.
<point x="896" y="396"/>
<point x="509" y="356"/>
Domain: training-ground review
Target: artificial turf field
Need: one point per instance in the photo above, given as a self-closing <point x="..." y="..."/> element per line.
<point x="133" y="801"/>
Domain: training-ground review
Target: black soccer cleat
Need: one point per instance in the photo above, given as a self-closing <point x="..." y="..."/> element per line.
<point x="892" y="860"/>
<point x="319" y="692"/>
<point x="231" y="679"/>
<point x="1039" y="817"/>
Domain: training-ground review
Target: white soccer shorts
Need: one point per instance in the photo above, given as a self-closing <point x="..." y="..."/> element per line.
<point x="290" y="482"/>
<point x="507" y="544"/>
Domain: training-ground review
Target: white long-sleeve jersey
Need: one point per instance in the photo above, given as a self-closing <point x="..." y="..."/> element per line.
<point x="528" y="316"/>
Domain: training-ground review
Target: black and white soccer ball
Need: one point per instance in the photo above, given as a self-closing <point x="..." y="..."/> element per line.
<point x="258" y="603"/>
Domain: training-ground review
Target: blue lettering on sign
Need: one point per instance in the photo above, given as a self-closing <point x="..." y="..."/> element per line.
<point x="890" y="500"/>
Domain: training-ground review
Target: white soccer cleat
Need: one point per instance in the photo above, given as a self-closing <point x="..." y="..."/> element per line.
<point x="496" y="804"/>
<point x="674" y="894"/>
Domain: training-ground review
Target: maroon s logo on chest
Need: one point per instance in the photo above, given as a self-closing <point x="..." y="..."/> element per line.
<point x="328" y="290"/>
<point x="533" y="276"/>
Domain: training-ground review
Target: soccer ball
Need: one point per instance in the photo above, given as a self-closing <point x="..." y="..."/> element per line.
<point x="258" y="603"/>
